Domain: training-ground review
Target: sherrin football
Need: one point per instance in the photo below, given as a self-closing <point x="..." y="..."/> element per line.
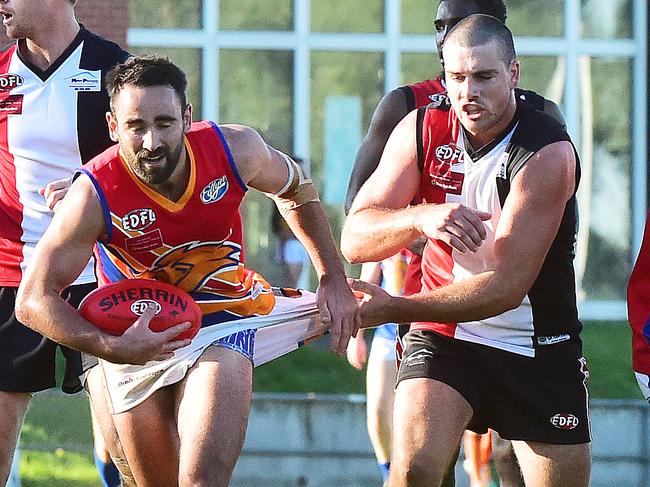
<point x="116" y="306"/>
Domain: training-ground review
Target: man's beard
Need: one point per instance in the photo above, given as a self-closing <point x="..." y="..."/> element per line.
<point x="153" y="173"/>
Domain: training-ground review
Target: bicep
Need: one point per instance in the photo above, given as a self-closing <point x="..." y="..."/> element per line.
<point x="260" y="166"/>
<point x="532" y="214"/>
<point x="395" y="182"/>
<point x="66" y="246"/>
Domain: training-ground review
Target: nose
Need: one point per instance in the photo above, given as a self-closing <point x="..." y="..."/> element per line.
<point x="469" y="89"/>
<point x="150" y="140"/>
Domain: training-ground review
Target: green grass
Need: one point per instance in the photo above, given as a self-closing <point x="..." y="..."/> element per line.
<point x="309" y="369"/>
<point x="56" y="442"/>
<point x="608" y="350"/>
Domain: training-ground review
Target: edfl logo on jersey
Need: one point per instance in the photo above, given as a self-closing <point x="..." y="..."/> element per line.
<point x="565" y="421"/>
<point x="138" y="219"/>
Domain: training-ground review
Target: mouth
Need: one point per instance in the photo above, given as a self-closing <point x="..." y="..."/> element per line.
<point x="152" y="161"/>
<point x="473" y="112"/>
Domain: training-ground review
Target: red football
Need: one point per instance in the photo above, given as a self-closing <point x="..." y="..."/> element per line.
<point x="116" y="306"/>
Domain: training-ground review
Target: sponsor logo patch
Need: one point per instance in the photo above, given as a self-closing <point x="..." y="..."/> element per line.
<point x="138" y="219"/>
<point x="552" y="340"/>
<point x="11" y="104"/>
<point x="145" y="242"/>
<point x="438" y="99"/>
<point x="215" y="190"/>
<point x="417" y="358"/>
<point x="141" y="305"/>
<point x="85" y="80"/>
<point x="9" y="81"/>
<point x="564" y="421"/>
<point x="449" y="156"/>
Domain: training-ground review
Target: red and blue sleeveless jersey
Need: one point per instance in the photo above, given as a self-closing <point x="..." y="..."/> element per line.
<point x="194" y="243"/>
<point x="638" y="306"/>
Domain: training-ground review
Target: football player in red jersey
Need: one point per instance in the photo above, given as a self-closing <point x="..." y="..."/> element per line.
<point x="187" y="426"/>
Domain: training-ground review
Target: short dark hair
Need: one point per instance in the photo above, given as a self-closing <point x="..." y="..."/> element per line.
<point x="495" y="8"/>
<point x="146" y="71"/>
<point x="479" y="29"/>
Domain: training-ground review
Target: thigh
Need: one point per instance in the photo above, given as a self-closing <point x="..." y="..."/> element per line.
<point x="13" y="406"/>
<point x="428" y="423"/>
<point x="212" y="407"/>
<point x="381" y="375"/>
<point x="544" y="465"/>
<point x="149" y="438"/>
<point x="103" y="425"/>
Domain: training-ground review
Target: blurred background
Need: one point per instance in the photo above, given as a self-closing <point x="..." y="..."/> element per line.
<point x="307" y="74"/>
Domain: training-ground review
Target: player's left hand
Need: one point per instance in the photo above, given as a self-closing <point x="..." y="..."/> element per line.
<point x="374" y="303"/>
<point x="54" y="192"/>
<point x="338" y="307"/>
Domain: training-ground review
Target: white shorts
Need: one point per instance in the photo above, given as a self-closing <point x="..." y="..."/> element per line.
<point x="644" y="384"/>
<point x="293" y="322"/>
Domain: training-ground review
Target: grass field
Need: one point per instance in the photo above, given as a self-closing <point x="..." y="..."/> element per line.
<point x="57" y="444"/>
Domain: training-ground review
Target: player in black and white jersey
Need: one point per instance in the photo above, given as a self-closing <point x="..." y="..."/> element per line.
<point x="495" y="337"/>
<point x="52" y="120"/>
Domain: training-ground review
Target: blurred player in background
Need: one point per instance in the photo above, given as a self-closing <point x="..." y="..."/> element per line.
<point x="52" y="120"/>
<point x="382" y="368"/>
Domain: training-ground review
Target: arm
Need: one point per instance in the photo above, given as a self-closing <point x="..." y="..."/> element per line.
<point x="59" y="258"/>
<point x="534" y="207"/>
<point x="391" y="109"/>
<point x="381" y="222"/>
<point x="264" y="168"/>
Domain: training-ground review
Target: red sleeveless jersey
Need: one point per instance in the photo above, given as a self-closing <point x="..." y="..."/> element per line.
<point x="194" y="243"/>
<point x="420" y="95"/>
<point x="638" y="306"/>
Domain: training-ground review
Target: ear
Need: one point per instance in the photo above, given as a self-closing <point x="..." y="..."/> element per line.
<point x="112" y="126"/>
<point x="514" y="74"/>
<point x="187" y="118"/>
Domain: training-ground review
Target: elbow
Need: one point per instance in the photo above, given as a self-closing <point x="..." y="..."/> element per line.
<point x="350" y="246"/>
<point x="508" y="301"/>
<point x="22" y="307"/>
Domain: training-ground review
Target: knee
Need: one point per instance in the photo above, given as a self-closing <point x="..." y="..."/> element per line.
<point x="418" y="474"/>
<point x="215" y="473"/>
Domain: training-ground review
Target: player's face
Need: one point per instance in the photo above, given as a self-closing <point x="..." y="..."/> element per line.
<point x="20" y="17"/>
<point x="480" y="86"/>
<point x="149" y="123"/>
<point x="449" y="13"/>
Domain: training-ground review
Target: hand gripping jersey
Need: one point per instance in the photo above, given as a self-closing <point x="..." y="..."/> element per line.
<point x="548" y="313"/>
<point x="194" y="243"/>
<point x="638" y="305"/>
<point x="51" y="123"/>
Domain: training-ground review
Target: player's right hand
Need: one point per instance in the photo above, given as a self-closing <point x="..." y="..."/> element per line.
<point x="457" y="225"/>
<point x="139" y="344"/>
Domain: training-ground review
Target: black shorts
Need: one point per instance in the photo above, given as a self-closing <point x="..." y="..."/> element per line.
<point x="28" y="359"/>
<point x="542" y="399"/>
